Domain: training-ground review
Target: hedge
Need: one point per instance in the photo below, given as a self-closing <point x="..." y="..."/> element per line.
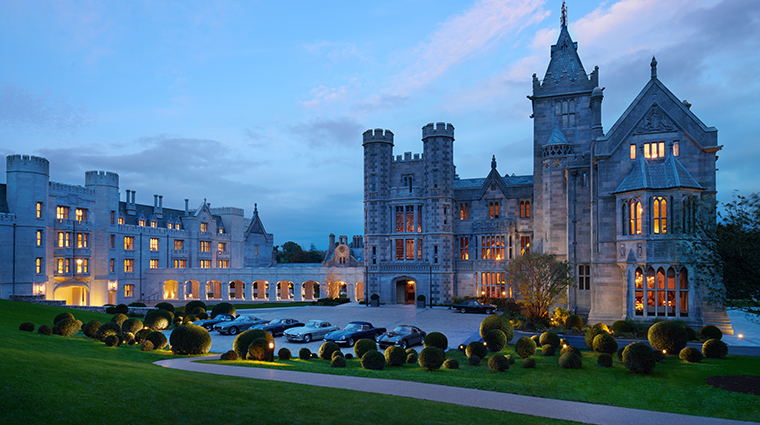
<point x="190" y="339"/>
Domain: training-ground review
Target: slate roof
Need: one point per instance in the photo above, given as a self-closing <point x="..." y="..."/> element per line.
<point x="668" y="174"/>
<point x="565" y="57"/>
<point x="508" y="180"/>
<point x="557" y="138"/>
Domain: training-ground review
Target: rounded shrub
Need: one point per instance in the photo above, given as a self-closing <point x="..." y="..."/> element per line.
<point x="569" y="349"/>
<point x="659" y="356"/>
<point x="550" y="338"/>
<point x="432" y="358"/>
<point x="336" y="353"/>
<point x="109" y="309"/>
<point x="121" y="309"/>
<point x="223" y="308"/>
<point x="498" y="363"/>
<point x="639" y="358"/>
<point x="623" y="326"/>
<point x="284" y="354"/>
<point x="158" y="319"/>
<point x="131" y="342"/>
<point x="601" y="326"/>
<point x="158" y="339"/>
<point x="112" y="340"/>
<point x="194" y="304"/>
<point x="690" y="355"/>
<point x="411" y="358"/>
<point x="188" y="319"/>
<point x="66" y="327"/>
<point x="373" y="360"/>
<point x="141" y="334"/>
<point x="451" y="364"/>
<point x="573" y="321"/>
<point x="412" y="350"/>
<point x="131" y="325"/>
<point x="590" y="335"/>
<point x="258" y="349"/>
<point x="714" y="349"/>
<point x="563" y="342"/>
<point x="201" y="315"/>
<point x="495" y="340"/>
<point x="232" y="355"/>
<point x="395" y="356"/>
<point x="146" y="346"/>
<point x="165" y="306"/>
<point x="45" y="330"/>
<point x="327" y="349"/>
<point x="668" y="336"/>
<point x="529" y="363"/>
<point x="90" y="329"/>
<point x="436" y="339"/>
<point x="350" y="356"/>
<point x="604" y="360"/>
<point x="26" y="326"/>
<point x="605" y="343"/>
<point x="525" y="347"/>
<point x="197" y="311"/>
<point x="64" y="315"/>
<point x="493" y="321"/>
<point x="620" y="354"/>
<point x="338" y="361"/>
<point x="510" y="358"/>
<point x="244" y="340"/>
<point x="570" y="361"/>
<point x="691" y="334"/>
<point x="547" y="350"/>
<point x="190" y="339"/>
<point x="362" y="346"/>
<point x="473" y="360"/>
<point x="536" y="339"/>
<point x="126" y="336"/>
<point x="304" y="354"/>
<point x="710" y="332"/>
<point x="476" y="348"/>
<point x="119" y="318"/>
<point x="109" y="328"/>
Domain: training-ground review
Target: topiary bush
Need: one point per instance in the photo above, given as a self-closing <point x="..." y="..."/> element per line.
<point x="495" y="340"/>
<point x="510" y="358"/>
<point x="112" y="340"/>
<point x="623" y="326"/>
<point x="432" y="358"/>
<point x="188" y="319"/>
<point x="601" y="326"/>
<point x="473" y="360"/>
<point x="605" y="343"/>
<point x="259" y="349"/>
<point x="590" y="335"/>
<point x="66" y="327"/>
<point x="146" y="346"/>
<point x="573" y="321"/>
<point x="570" y="360"/>
<point x="283" y="354"/>
<point x="604" y="360"/>
<point x="119" y="318"/>
<point x="109" y="309"/>
<point x="136" y="305"/>
<point x="158" y="319"/>
<point x="547" y="350"/>
<point x="244" y="340"/>
<point x="109" y="328"/>
<point x="690" y="355"/>
<point x="451" y="364"/>
<point x="327" y="349"/>
<point x="232" y="355"/>
<point x="529" y="363"/>
<point x="436" y="339"/>
<point x="131" y="325"/>
<point x="336" y="353"/>
<point x="412" y="358"/>
<point x="189" y="307"/>
<point x="64" y="315"/>
<point x="362" y="346"/>
<point x="158" y="339"/>
<point x="536" y="339"/>
<point x="690" y="333"/>
<point x="493" y="321"/>
<point x="525" y="347"/>
<point x="202" y="315"/>
<point x="498" y="363"/>
<point x="131" y="342"/>
<point x="121" y="309"/>
<point x="373" y="360"/>
<point x="198" y="310"/>
<point x="190" y="339"/>
<point x="338" y="361"/>
<point x="569" y="349"/>
<point x="166" y="306"/>
<point x="304" y="354"/>
<point x="550" y="338"/>
<point x="395" y="356"/>
<point x="668" y="336"/>
<point x="563" y="342"/>
<point x="714" y="349"/>
<point x="141" y="334"/>
<point x="639" y="358"/>
<point x="45" y="330"/>
<point x="620" y="354"/>
<point x="350" y="356"/>
<point x="223" y="308"/>
<point x="90" y="329"/>
<point x="710" y="332"/>
<point x="26" y="326"/>
<point x="476" y="348"/>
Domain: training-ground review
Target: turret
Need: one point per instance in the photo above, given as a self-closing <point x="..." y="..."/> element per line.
<point x="438" y="156"/>
<point x="27" y="180"/>
<point x="105" y="184"/>
<point x="596" y="112"/>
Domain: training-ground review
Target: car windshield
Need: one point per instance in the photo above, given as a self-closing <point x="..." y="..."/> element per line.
<point x="402" y="330"/>
<point x="246" y="318"/>
<point x="277" y="322"/>
<point x="353" y="327"/>
<point x="313" y="323"/>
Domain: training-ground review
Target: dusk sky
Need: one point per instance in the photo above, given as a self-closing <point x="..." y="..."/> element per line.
<point x="266" y="101"/>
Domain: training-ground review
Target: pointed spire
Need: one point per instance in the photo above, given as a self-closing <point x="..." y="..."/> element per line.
<point x="493" y="162"/>
<point x="563" y="18"/>
<point x="255" y="208"/>
<point x="654" y="67"/>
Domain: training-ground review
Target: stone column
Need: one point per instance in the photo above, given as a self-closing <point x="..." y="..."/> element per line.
<point x="272" y="291"/>
<point x="202" y="291"/>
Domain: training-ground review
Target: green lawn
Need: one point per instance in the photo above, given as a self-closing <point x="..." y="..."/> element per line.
<point x="56" y="380"/>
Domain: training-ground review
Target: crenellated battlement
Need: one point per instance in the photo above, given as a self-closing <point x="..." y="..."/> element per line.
<point x="62" y="188"/>
<point x="378" y="135"/>
<point x="227" y="210"/>
<point x="101" y="178"/>
<point x="28" y="164"/>
<point x="407" y="157"/>
<point x="440" y="129"/>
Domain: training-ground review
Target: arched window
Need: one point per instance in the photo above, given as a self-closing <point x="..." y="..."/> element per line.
<point x="670" y="303"/>
<point x="635" y="211"/>
<point x="639" y="283"/>
<point x="624" y="218"/>
<point x="665" y="293"/>
<point x="660" y="215"/>
<point x="650" y="293"/>
<point x="687" y="214"/>
<point x="683" y="293"/>
<point x="524" y="209"/>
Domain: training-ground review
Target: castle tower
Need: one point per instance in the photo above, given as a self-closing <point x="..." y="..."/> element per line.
<point x="102" y="216"/>
<point x="378" y="154"/>
<point x="28" y="180"/>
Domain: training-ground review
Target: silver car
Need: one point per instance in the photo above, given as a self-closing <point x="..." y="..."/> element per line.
<point x="314" y="329"/>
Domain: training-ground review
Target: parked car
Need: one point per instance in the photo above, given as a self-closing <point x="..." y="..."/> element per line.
<point x="403" y="335"/>
<point x="209" y="323"/>
<point x="353" y="332"/>
<point x="474" y="306"/>
<point x="313" y="329"/>
<point x="279" y="326"/>
<point x="241" y="323"/>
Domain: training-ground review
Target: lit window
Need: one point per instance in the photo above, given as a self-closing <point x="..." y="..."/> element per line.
<point x="83" y="265"/>
<point x="39" y="237"/>
<point x="38" y="265"/>
<point x="121" y="220"/>
<point x="180" y="264"/>
<point x="153" y="264"/>
<point x="129" y="242"/>
<point x="654" y="150"/>
<point x="584" y="277"/>
<point x="399" y="249"/>
<point x="633" y="150"/>
<point x="419" y="249"/>
<point x="204" y="227"/>
<point x="493" y="210"/>
<point x="464" y="211"/>
<point x="631" y="216"/>
<point x="153" y="224"/>
<point x="222" y="246"/>
<point x="205" y="246"/>
<point x="221" y="230"/>
<point x="524" y="209"/>
<point x="129" y="265"/>
<point x="410" y="249"/>
<point x="524" y="245"/>
<point x="676" y="148"/>
<point x="113" y="241"/>
<point x="492" y="247"/>
<point x="39" y="209"/>
<point x="129" y="290"/>
<point x="113" y="216"/>
<point x="83" y="240"/>
<point x="205" y="264"/>
<point x="170" y="225"/>
<point x="223" y="264"/>
<point x="62" y="213"/>
<point x="464" y="245"/>
<point x="492" y="285"/>
<point x="81" y="214"/>
<point x="154" y="244"/>
<point x="179" y="244"/>
<point x="59" y="265"/>
<point x="665" y="293"/>
<point x="660" y="215"/>
<point x="112" y="265"/>
<point x="142" y="223"/>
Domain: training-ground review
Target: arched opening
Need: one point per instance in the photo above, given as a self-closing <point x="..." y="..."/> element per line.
<point x="73" y="294"/>
<point x="308" y="290"/>
<point x="342" y="290"/>
<point x="192" y="289"/>
<point x="170" y="289"/>
<point x="260" y="289"/>
<point x="214" y="288"/>
<point x="359" y="291"/>
<point x="405" y="289"/>
<point x="284" y="290"/>
<point x="237" y="290"/>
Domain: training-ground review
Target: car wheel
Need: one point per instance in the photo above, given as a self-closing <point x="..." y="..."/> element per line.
<point x="462" y="310"/>
<point x="209" y="328"/>
<point x="307" y="338"/>
<point x="233" y="330"/>
<point x="350" y="342"/>
<point x="489" y="311"/>
<point x="403" y="344"/>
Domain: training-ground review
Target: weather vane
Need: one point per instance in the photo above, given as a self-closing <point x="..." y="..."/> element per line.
<point x="563" y="20"/>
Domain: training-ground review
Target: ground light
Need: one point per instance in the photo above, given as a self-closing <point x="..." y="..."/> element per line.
<point x="271" y="351"/>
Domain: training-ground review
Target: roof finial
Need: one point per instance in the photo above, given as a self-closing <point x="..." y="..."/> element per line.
<point x="204" y="201"/>
<point x="654" y="67"/>
<point x="563" y="19"/>
<point x="493" y="162"/>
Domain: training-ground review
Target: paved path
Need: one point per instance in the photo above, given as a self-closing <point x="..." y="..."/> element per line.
<point x="554" y="409"/>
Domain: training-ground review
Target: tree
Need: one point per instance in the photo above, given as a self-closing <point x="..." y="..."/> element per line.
<point x="541" y="280"/>
<point x="332" y="284"/>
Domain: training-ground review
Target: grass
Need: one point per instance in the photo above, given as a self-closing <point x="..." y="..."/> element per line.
<point x="674" y="386"/>
<point x="266" y="305"/>
<point x="52" y="379"/>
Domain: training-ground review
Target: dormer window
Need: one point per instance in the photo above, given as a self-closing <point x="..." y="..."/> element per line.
<point x="204" y="227"/>
<point x="153" y="224"/>
<point x="142" y="223"/>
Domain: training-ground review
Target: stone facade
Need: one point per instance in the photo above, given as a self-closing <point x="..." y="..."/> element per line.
<point x="618" y="206"/>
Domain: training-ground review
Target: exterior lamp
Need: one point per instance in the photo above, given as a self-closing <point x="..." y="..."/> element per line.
<point x="41" y="289"/>
<point x="112" y="285"/>
<point x="271" y="351"/>
<point x="740" y="335"/>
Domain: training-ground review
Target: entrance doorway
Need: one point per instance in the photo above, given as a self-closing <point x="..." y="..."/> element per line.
<point x="404" y="291"/>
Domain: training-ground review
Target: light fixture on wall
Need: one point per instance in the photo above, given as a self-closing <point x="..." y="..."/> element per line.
<point x="41" y="289"/>
<point x="112" y="285"/>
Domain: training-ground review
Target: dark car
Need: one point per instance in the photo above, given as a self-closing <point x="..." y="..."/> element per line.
<point x="278" y="326"/>
<point x="353" y="332"/>
<point x="474" y="306"/>
<point x="242" y="323"/>
<point x="209" y="323"/>
<point x="403" y="336"/>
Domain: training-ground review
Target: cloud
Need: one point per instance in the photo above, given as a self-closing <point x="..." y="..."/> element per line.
<point x="336" y="52"/>
<point x="329" y="131"/>
<point x="322" y="94"/>
<point x="24" y="111"/>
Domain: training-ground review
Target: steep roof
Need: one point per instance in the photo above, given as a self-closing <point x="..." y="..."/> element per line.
<point x="557" y="138"/>
<point x="668" y="174"/>
<point x="565" y="59"/>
